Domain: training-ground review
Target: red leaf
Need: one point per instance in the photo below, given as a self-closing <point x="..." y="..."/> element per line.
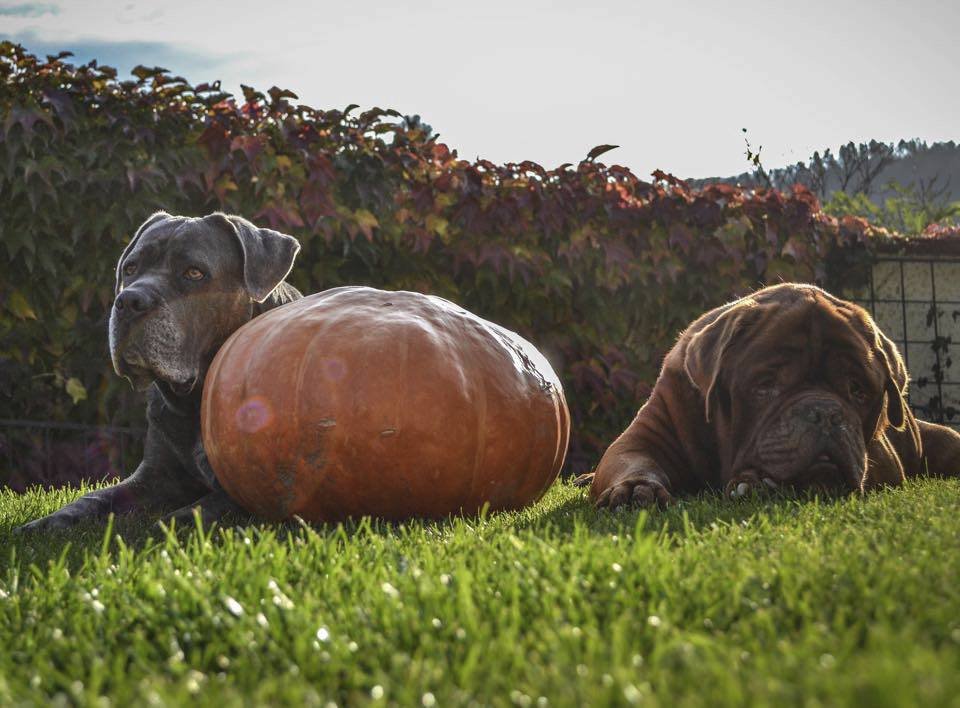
<point x="680" y="236"/>
<point x="599" y="150"/>
<point x="250" y="145"/>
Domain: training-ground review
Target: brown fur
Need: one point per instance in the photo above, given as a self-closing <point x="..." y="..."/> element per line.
<point x="789" y="386"/>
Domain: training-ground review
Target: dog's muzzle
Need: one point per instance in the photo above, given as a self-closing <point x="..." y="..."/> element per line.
<point x="814" y="441"/>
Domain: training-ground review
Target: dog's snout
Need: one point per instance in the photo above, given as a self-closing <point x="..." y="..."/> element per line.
<point x="133" y="301"/>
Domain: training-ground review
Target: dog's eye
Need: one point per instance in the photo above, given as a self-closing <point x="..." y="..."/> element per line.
<point x="857" y="391"/>
<point x="193" y="273"/>
<point x="130" y="269"/>
<point x="766" y="386"/>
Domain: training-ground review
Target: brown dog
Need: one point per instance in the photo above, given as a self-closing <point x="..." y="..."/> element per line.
<point x="789" y="386"/>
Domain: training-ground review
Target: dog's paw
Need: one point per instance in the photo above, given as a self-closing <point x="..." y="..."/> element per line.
<point x="638" y="490"/>
<point x="186" y="517"/>
<point x="54" y="522"/>
<point x="208" y="510"/>
<point x="583" y="480"/>
<point x="747" y="483"/>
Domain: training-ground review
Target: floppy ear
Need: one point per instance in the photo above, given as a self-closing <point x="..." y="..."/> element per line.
<point x="898" y="410"/>
<point x="897" y="380"/>
<point x="703" y="358"/>
<point x="154" y="218"/>
<point x="267" y="254"/>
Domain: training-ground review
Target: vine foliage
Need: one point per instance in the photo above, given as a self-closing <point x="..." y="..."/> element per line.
<point x="598" y="267"/>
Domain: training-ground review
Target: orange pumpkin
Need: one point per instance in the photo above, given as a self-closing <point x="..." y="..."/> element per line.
<point x="357" y="401"/>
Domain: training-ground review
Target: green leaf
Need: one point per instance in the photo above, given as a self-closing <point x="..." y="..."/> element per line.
<point x="437" y="224"/>
<point x="367" y="222"/>
<point x="18" y="305"/>
<point x="76" y="390"/>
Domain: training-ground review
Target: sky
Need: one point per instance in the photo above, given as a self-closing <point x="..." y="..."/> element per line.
<point x="673" y="83"/>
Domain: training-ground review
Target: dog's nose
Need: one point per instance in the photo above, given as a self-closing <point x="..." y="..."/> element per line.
<point x="820" y="412"/>
<point x="132" y="302"/>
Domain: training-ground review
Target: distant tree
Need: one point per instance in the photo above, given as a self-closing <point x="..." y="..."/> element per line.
<point x="854" y="169"/>
<point x="814" y="175"/>
<point x="848" y="183"/>
<point x="916" y="199"/>
<point x="871" y="159"/>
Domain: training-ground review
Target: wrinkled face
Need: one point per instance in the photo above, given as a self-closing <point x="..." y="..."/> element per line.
<point x="180" y="294"/>
<point x="801" y="394"/>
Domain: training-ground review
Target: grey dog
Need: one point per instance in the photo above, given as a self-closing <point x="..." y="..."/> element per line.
<point x="183" y="285"/>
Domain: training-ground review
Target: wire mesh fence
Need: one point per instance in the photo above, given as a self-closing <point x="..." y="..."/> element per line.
<point x="916" y="302"/>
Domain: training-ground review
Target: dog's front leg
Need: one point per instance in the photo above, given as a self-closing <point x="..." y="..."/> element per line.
<point x="159" y="484"/>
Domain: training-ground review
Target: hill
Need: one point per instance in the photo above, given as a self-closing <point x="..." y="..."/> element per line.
<point x="931" y="171"/>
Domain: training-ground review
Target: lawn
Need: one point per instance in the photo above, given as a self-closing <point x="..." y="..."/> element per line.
<point x="783" y="601"/>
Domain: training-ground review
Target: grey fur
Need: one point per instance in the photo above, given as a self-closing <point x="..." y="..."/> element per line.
<point x="165" y="328"/>
<point x="272" y="251"/>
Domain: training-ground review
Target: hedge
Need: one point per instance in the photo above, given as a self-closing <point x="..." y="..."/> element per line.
<point x="598" y="267"/>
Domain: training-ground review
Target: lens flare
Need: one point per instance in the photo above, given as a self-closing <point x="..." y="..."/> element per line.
<point x="334" y="369"/>
<point x="254" y="414"/>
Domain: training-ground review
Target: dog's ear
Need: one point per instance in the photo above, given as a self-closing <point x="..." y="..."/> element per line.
<point x="898" y="410"/>
<point x="154" y="218"/>
<point x="267" y="254"/>
<point x="895" y="408"/>
<point x="704" y="357"/>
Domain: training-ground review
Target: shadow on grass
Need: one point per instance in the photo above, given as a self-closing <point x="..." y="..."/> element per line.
<point x="550" y="516"/>
<point x="690" y="514"/>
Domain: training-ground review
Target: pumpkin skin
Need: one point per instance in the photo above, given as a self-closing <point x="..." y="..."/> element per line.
<point x="357" y="401"/>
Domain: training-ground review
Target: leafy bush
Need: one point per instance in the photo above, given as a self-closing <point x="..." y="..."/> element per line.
<point x="598" y="267"/>
<point x="910" y="212"/>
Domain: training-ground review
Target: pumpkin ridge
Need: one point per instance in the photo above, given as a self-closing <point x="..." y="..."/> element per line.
<point x="479" y="456"/>
<point x="302" y="369"/>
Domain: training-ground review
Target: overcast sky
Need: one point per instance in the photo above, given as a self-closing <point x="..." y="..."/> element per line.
<point x="671" y="82"/>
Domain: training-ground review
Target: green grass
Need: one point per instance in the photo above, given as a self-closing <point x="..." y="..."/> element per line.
<point x="784" y="601"/>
